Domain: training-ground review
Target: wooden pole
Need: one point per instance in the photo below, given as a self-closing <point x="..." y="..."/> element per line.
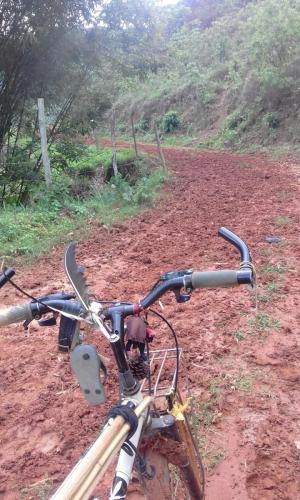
<point x="161" y="155"/>
<point x="133" y="134"/>
<point x="44" y="145"/>
<point x="113" y="142"/>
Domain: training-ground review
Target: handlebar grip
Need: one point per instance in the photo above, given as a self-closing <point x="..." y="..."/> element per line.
<point x="6" y="275"/>
<point x="15" y="314"/>
<point x="214" y="279"/>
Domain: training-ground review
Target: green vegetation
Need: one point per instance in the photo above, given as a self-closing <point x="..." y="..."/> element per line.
<point x="212" y="74"/>
<point x="210" y="455"/>
<point x="170" y="122"/>
<point x="205" y="413"/>
<point x="242" y="382"/>
<point x="239" y="335"/>
<point x="267" y="293"/>
<point x="40" y="490"/>
<point x="263" y="322"/>
<point x="275" y="269"/>
<point x="232" y="80"/>
<point x="79" y="195"/>
<point x="283" y="220"/>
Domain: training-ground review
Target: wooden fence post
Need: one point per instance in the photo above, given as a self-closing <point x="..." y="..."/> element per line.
<point x="133" y="134"/>
<point x="113" y="142"/>
<point x="44" y="145"/>
<point x="160" y="152"/>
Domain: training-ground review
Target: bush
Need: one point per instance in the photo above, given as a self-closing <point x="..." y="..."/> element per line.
<point x="235" y="119"/>
<point x="143" y="125"/>
<point x="54" y="215"/>
<point x="170" y="122"/>
<point x="54" y="197"/>
<point x="62" y="153"/>
<point x="271" y="120"/>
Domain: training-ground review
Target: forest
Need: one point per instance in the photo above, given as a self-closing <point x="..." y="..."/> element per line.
<point x="215" y="74"/>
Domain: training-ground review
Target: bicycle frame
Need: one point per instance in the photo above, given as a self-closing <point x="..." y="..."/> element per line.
<point x="87" y="473"/>
<point x="77" y="486"/>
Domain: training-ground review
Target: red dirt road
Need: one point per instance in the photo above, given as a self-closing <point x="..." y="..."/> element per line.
<point x="243" y="363"/>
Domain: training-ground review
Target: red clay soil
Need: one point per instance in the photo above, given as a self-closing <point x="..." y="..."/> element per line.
<point x="243" y="364"/>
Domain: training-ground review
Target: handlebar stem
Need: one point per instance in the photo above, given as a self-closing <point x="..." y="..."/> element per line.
<point x="128" y="382"/>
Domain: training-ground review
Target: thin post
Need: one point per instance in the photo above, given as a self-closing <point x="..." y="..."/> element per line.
<point x="44" y="145"/>
<point x="161" y="155"/>
<point x="133" y="134"/>
<point x="113" y="142"/>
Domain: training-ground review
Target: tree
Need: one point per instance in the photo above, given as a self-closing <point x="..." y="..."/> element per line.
<point x="31" y="31"/>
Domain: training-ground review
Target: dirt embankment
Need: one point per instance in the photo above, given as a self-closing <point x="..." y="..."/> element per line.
<point x="243" y="363"/>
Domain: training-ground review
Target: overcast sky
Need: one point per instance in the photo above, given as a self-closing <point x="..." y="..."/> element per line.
<point x="166" y="2"/>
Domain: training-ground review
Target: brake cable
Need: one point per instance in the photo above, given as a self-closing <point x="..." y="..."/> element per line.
<point x="176" y="344"/>
<point x="63" y="313"/>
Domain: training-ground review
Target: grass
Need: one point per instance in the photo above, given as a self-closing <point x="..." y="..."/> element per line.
<point x="270" y="292"/>
<point x="239" y="335"/>
<point x="243" y="383"/>
<point x="178" y="140"/>
<point x="283" y="220"/>
<point x="240" y="380"/>
<point x="205" y="413"/>
<point x="87" y="159"/>
<point x="29" y="232"/>
<point x="275" y="269"/>
<point x="210" y="455"/>
<point x="208" y="412"/>
<point x="263" y="322"/>
<point x="40" y="490"/>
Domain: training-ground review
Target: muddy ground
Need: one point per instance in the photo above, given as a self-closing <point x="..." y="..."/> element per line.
<point x="242" y="355"/>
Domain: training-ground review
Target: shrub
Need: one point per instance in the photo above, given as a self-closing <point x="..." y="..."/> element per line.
<point x="235" y="119"/>
<point x="143" y="125"/>
<point x="271" y="120"/>
<point x="170" y="122"/>
<point x="53" y="197"/>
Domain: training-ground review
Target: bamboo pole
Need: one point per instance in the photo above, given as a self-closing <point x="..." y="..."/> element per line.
<point x="88" y="471"/>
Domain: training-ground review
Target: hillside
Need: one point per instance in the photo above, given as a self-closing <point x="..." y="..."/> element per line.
<point x="231" y="73"/>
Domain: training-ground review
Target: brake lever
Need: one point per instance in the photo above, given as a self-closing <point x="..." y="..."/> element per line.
<point x="181" y="297"/>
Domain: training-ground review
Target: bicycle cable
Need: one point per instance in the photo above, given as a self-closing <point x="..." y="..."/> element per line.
<point x="176" y="344"/>
<point x="38" y="301"/>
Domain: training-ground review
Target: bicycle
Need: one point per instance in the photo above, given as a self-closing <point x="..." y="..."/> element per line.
<point x="151" y="432"/>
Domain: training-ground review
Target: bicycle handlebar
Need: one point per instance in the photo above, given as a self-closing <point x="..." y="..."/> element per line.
<point x="27" y="312"/>
<point x="237" y="242"/>
<point x="187" y="280"/>
<point x="15" y="314"/>
<point x="208" y="279"/>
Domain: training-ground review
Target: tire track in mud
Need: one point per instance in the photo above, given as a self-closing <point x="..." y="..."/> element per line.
<point x="246" y="393"/>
